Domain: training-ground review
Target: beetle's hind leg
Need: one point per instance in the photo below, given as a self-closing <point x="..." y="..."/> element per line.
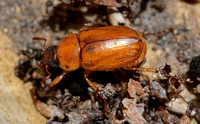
<point x="143" y="69"/>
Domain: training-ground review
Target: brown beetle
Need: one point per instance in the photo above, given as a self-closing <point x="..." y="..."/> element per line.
<point x="100" y="49"/>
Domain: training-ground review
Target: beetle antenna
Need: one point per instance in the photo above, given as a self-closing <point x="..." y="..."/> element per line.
<point x="158" y="33"/>
<point x="43" y="39"/>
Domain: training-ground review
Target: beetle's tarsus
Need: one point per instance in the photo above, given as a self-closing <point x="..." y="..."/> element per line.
<point x="43" y="81"/>
<point x="159" y="33"/>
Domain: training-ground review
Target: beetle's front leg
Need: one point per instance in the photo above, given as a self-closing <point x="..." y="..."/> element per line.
<point x="57" y="79"/>
<point x="47" y="77"/>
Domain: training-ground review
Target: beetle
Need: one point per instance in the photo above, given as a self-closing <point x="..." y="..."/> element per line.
<point x="98" y="49"/>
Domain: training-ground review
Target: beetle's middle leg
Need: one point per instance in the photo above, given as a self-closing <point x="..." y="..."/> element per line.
<point x="97" y="88"/>
<point x="94" y="85"/>
<point x="122" y="77"/>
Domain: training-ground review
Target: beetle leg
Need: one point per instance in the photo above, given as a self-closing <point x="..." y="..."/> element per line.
<point x="143" y="69"/>
<point x="158" y="33"/>
<point x="48" y="76"/>
<point x="121" y="75"/>
<point x="57" y="79"/>
<point x="42" y="82"/>
<point x="94" y="85"/>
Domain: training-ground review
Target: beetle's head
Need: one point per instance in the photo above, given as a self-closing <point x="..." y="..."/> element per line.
<point x="50" y="57"/>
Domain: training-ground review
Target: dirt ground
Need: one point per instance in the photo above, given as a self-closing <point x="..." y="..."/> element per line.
<point x="21" y="20"/>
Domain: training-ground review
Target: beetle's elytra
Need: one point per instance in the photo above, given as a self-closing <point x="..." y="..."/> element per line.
<point x="105" y="48"/>
<point x="99" y="49"/>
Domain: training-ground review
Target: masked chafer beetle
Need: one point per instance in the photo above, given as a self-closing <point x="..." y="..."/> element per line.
<point x="99" y="49"/>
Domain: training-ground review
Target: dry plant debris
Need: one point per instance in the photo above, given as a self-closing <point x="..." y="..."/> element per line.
<point x="133" y="112"/>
